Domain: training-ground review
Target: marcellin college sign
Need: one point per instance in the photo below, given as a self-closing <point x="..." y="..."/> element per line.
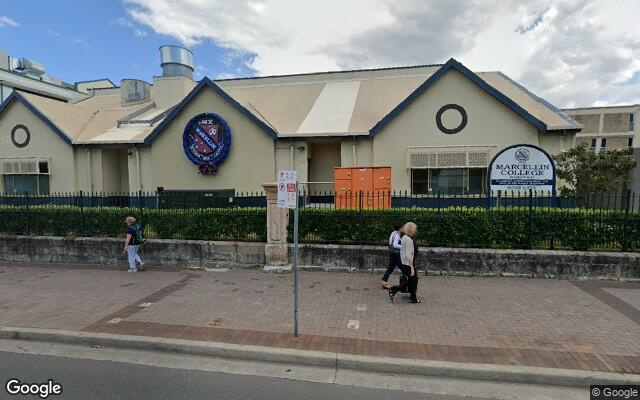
<point x="522" y="167"/>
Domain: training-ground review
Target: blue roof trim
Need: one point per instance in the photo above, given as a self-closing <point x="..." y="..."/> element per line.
<point x="206" y="82"/>
<point x="15" y="96"/>
<point x="454" y="64"/>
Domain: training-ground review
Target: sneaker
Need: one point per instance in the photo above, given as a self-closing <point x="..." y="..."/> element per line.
<point x="133" y="270"/>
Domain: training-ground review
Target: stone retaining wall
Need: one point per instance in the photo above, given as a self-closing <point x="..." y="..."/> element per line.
<point x="480" y="262"/>
<point x="108" y="251"/>
<point x="434" y="261"/>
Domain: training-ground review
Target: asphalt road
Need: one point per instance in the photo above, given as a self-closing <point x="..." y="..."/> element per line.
<point x="84" y="379"/>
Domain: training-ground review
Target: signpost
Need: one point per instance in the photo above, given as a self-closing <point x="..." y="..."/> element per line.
<point x="522" y="167"/>
<point x="288" y="198"/>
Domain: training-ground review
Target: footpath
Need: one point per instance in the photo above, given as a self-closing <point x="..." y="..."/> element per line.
<point x="587" y="326"/>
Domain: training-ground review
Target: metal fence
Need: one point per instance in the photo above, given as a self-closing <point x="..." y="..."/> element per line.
<point x="241" y="216"/>
<point x="183" y="199"/>
<point x="601" y="221"/>
<point x="523" y="220"/>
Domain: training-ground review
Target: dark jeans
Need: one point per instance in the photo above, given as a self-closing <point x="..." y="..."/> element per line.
<point x="394" y="261"/>
<point x="411" y="284"/>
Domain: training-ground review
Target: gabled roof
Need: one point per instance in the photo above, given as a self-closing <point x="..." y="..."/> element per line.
<point x="208" y="83"/>
<point x="16" y="96"/>
<point x="360" y="102"/>
<point x="453" y="64"/>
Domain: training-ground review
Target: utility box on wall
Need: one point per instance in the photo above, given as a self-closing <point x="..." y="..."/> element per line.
<point x="362" y="187"/>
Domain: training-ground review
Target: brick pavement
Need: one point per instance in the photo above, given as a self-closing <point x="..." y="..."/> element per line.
<point x="591" y="325"/>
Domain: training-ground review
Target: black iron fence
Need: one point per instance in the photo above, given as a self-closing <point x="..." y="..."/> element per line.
<point x="523" y="220"/>
<point x="241" y="216"/>
<point x="164" y="200"/>
<point x="608" y="221"/>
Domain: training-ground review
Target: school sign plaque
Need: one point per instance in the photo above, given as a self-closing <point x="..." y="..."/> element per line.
<point x="522" y="167"/>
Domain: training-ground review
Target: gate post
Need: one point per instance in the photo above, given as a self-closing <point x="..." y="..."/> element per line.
<point x="276" y="251"/>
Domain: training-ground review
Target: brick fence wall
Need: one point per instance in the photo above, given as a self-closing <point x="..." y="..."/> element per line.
<point x="435" y="261"/>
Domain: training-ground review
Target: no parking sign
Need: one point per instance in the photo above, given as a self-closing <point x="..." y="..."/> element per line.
<point x="287" y="182"/>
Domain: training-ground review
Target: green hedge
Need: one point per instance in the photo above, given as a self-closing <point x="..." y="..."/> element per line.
<point x="580" y="229"/>
<point x="203" y="224"/>
<point x="476" y="227"/>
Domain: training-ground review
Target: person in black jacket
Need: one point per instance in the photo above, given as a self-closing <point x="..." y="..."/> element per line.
<point x="394" y="254"/>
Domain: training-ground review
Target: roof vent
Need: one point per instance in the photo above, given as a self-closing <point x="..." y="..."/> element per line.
<point x="133" y="91"/>
<point x="176" y="61"/>
<point x="29" y="67"/>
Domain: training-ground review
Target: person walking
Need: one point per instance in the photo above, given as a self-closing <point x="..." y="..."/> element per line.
<point x="133" y="240"/>
<point x="407" y="257"/>
<point x="394" y="254"/>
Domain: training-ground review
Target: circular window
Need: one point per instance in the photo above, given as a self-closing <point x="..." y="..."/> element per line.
<point x="463" y="119"/>
<point x="20" y="136"/>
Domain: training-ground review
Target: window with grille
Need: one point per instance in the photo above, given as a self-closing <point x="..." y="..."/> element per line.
<point x="449" y="157"/>
<point x="25" y="176"/>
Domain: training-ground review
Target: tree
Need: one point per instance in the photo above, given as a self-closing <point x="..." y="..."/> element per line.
<point x="581" y="170"/>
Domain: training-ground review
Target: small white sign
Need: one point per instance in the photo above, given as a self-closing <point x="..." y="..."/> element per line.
<point x="287" y="181"/>
<point x="522" y="167"/>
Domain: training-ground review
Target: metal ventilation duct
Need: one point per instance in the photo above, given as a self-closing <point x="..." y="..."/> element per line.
<point x="133" y="91"/>
<point x="29" y="67"/>
<point x="176" y="61"/>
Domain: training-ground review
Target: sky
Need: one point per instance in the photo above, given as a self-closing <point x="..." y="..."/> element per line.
<point x="571" y="52"/>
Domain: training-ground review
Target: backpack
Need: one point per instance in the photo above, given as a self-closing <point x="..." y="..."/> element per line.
<point x="138" y="239"/>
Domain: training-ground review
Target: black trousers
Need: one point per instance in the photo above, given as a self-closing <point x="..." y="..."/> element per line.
<point x="394" y="261"/>
<point x="411" y="284"/>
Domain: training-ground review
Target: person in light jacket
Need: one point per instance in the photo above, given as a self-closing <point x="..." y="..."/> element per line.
<point x="407" y="257"/>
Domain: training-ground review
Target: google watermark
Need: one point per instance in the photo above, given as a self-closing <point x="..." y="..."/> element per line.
<point x="615" y="392"/>
<point x="43" y="390"/>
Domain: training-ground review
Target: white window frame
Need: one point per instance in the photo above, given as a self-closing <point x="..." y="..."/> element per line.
<point x="19" y="161"/>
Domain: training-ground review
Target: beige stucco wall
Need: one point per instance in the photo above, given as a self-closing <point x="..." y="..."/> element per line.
<point x="292" y="155"/>
<point x="489" y="123"/>
<point x="90" y="170"/>
<point x="364" y="152"/>
<point x="45" y="143"/>
<point x="250" y="162"/>
<point x="111" y="170"/>
<point x="554" y="143"/>
<point x="169" y="91"/>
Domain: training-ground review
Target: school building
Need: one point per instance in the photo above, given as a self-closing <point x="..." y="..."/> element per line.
<point x="436" y="126"/>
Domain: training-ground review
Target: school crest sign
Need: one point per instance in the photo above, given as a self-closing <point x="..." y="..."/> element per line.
<point x="522" y="167"/>
<point x="207" y="141"/>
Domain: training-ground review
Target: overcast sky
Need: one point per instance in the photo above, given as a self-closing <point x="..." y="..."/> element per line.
<point x="572" y="52"/>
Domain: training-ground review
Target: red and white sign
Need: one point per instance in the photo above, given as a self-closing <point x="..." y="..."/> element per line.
<point x="287" y="181"/>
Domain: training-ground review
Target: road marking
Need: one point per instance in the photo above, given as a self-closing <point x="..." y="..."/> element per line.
<point x="145" y="304"/>
<point x="114" y="321"/>
<point x="353" y="324"/>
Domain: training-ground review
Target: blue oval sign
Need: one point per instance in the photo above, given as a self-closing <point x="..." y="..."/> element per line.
<point x="207" y="140"/>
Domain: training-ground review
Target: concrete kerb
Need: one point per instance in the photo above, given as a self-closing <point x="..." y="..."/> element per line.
<point x="485" y="372"/>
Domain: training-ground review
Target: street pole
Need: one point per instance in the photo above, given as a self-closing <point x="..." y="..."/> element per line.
<point x="295" y="264"/>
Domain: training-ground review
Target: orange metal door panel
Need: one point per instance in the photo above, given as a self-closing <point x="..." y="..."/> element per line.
<point x="382" y="199"/>
<point x="382" y="178"/>
<point x="341" y="173"/>
<point x="362" y="184"/>
<point x="362" y="180"/>
<point x="344" y="196"/>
